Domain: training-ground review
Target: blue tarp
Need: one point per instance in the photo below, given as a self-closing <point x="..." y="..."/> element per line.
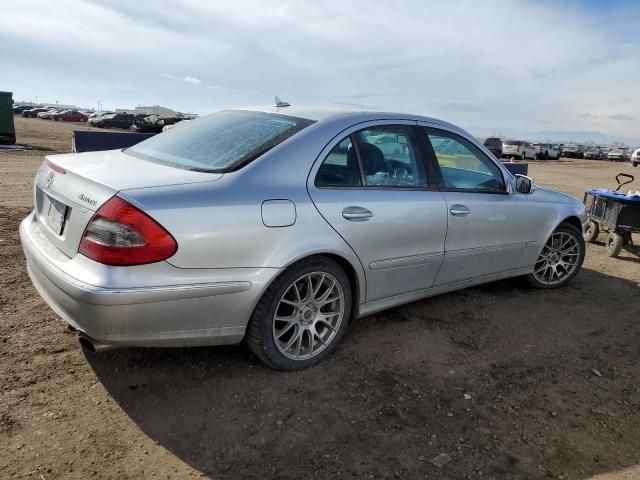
<point x="91" y="141"/>
<point x="621" y="197"/>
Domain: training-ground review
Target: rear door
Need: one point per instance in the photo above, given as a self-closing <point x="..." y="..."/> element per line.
<point x="488" y="228"/>
<point x="370" y="185"/>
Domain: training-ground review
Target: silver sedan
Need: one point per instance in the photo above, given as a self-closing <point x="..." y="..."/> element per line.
<point x="278" y="226"/>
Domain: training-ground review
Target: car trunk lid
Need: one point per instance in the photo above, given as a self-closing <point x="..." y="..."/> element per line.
<point x="70" y="188"/>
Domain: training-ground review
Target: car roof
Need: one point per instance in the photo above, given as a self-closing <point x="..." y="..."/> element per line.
<point x="321" y="113"/>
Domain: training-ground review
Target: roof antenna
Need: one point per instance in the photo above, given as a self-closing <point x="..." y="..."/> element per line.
<point x="280" y="103"/>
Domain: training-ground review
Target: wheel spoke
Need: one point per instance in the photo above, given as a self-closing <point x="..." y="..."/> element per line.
<point x="298" y="346"/>
<point x="289" y="302"/>
<point x="309" y="296"/>
<point x="292" y="340"/>
<point x="327" y="292"/>
<point x="327" y="324"/>
<point x="319" y="338"/>
<point x="285" y="330"/>
<point x="318" y="286"/>
<point x="297" y="292"/>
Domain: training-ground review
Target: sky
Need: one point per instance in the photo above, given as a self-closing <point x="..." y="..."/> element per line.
<point x="528" y="65"/>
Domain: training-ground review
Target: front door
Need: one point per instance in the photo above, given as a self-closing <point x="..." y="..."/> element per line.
<point x="372" y="189"/>
<point x="488" y="227"/>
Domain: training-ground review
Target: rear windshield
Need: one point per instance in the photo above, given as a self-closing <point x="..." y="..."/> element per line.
<point x="221" y="142"/>
<point x="513" y="143"/>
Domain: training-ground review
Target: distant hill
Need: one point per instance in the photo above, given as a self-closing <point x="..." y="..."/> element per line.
<point x="598" y="138"/>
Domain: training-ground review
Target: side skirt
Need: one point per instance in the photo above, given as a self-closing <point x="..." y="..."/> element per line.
<point x="370" y="308"/>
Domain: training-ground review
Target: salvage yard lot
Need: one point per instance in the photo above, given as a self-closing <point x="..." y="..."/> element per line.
<point x="508" y="382"/>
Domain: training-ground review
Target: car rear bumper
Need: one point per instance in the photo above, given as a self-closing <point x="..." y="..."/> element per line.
<point x="190" y="307"/>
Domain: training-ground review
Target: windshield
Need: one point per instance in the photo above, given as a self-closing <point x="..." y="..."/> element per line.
<point x="571" y="147"/>
<point x="221" y="142"/>
<point x="513" y="143"/>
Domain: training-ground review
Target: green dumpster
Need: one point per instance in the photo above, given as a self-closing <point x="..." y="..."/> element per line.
<point x="7" y="129"/>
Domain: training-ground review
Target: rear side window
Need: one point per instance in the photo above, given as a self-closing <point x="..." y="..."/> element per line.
<point x="221" y="142"/>
<point x="340" y="168"/>
<point x="381" y="156"/>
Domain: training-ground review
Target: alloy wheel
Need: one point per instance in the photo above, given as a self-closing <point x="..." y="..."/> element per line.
<point x="558" y="259"/>
<point x="308" y="315"/>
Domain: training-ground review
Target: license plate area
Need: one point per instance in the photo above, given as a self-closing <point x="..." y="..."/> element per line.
<point x="54" y="213"/>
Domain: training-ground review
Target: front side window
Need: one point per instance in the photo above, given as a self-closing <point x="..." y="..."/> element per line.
<point x="464" y="166"/>
<point x="221" y="142"/>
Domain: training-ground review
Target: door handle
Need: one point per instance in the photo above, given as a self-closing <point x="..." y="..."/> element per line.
<point x="356" y="214"/>
<point x="459" y="210"/>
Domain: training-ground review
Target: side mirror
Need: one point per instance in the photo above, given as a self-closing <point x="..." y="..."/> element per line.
<point x="525" y="184"/>
<point x="401" y="139"/>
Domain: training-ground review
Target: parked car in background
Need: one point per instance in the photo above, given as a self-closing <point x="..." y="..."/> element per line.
<point x="546" y="151"/>
<point x="618" y="154"/>
<point x="594" y="153"/>
<point x="176" y="255"/>
<point x="71" y="116"/>
<point x="573" y="151"/>
<point x="47" y="114"/>
<point x="113" y="120"/>
<point x="153" y="123"/>
<point x="18" y="109"/>
<point x="33" y="112"/>
<point x="519" y="149"/>
<point x="100" y="114"/>
<point x="635" y="157"/>
<point x="494" y="145"/>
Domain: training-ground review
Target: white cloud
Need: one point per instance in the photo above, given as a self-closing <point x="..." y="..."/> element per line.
<point x="469" y="62"/>
<point x="192" y="80"/>
<point x="187" y="79"/>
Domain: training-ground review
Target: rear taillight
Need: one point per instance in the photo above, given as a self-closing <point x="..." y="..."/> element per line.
<point x="121" y="234"/>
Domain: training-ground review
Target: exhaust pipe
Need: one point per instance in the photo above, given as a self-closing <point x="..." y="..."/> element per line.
<point x="94" y="346"/>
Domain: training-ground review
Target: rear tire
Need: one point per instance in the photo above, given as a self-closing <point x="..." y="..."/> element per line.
<point x="295" y="298"/>
<point x="591" y="231"/>
<point x="615" y="241"/>
<point x="562" y="254"/>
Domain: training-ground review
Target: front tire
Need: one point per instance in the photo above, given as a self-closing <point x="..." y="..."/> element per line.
<point x="560" y="260"/>
<point x="302" y="316"/>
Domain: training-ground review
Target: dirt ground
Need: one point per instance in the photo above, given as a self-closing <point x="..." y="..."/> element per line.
<point x="509" y="382"/>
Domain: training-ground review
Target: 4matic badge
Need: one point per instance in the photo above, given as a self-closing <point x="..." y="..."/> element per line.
<point x="90" y="201"/>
